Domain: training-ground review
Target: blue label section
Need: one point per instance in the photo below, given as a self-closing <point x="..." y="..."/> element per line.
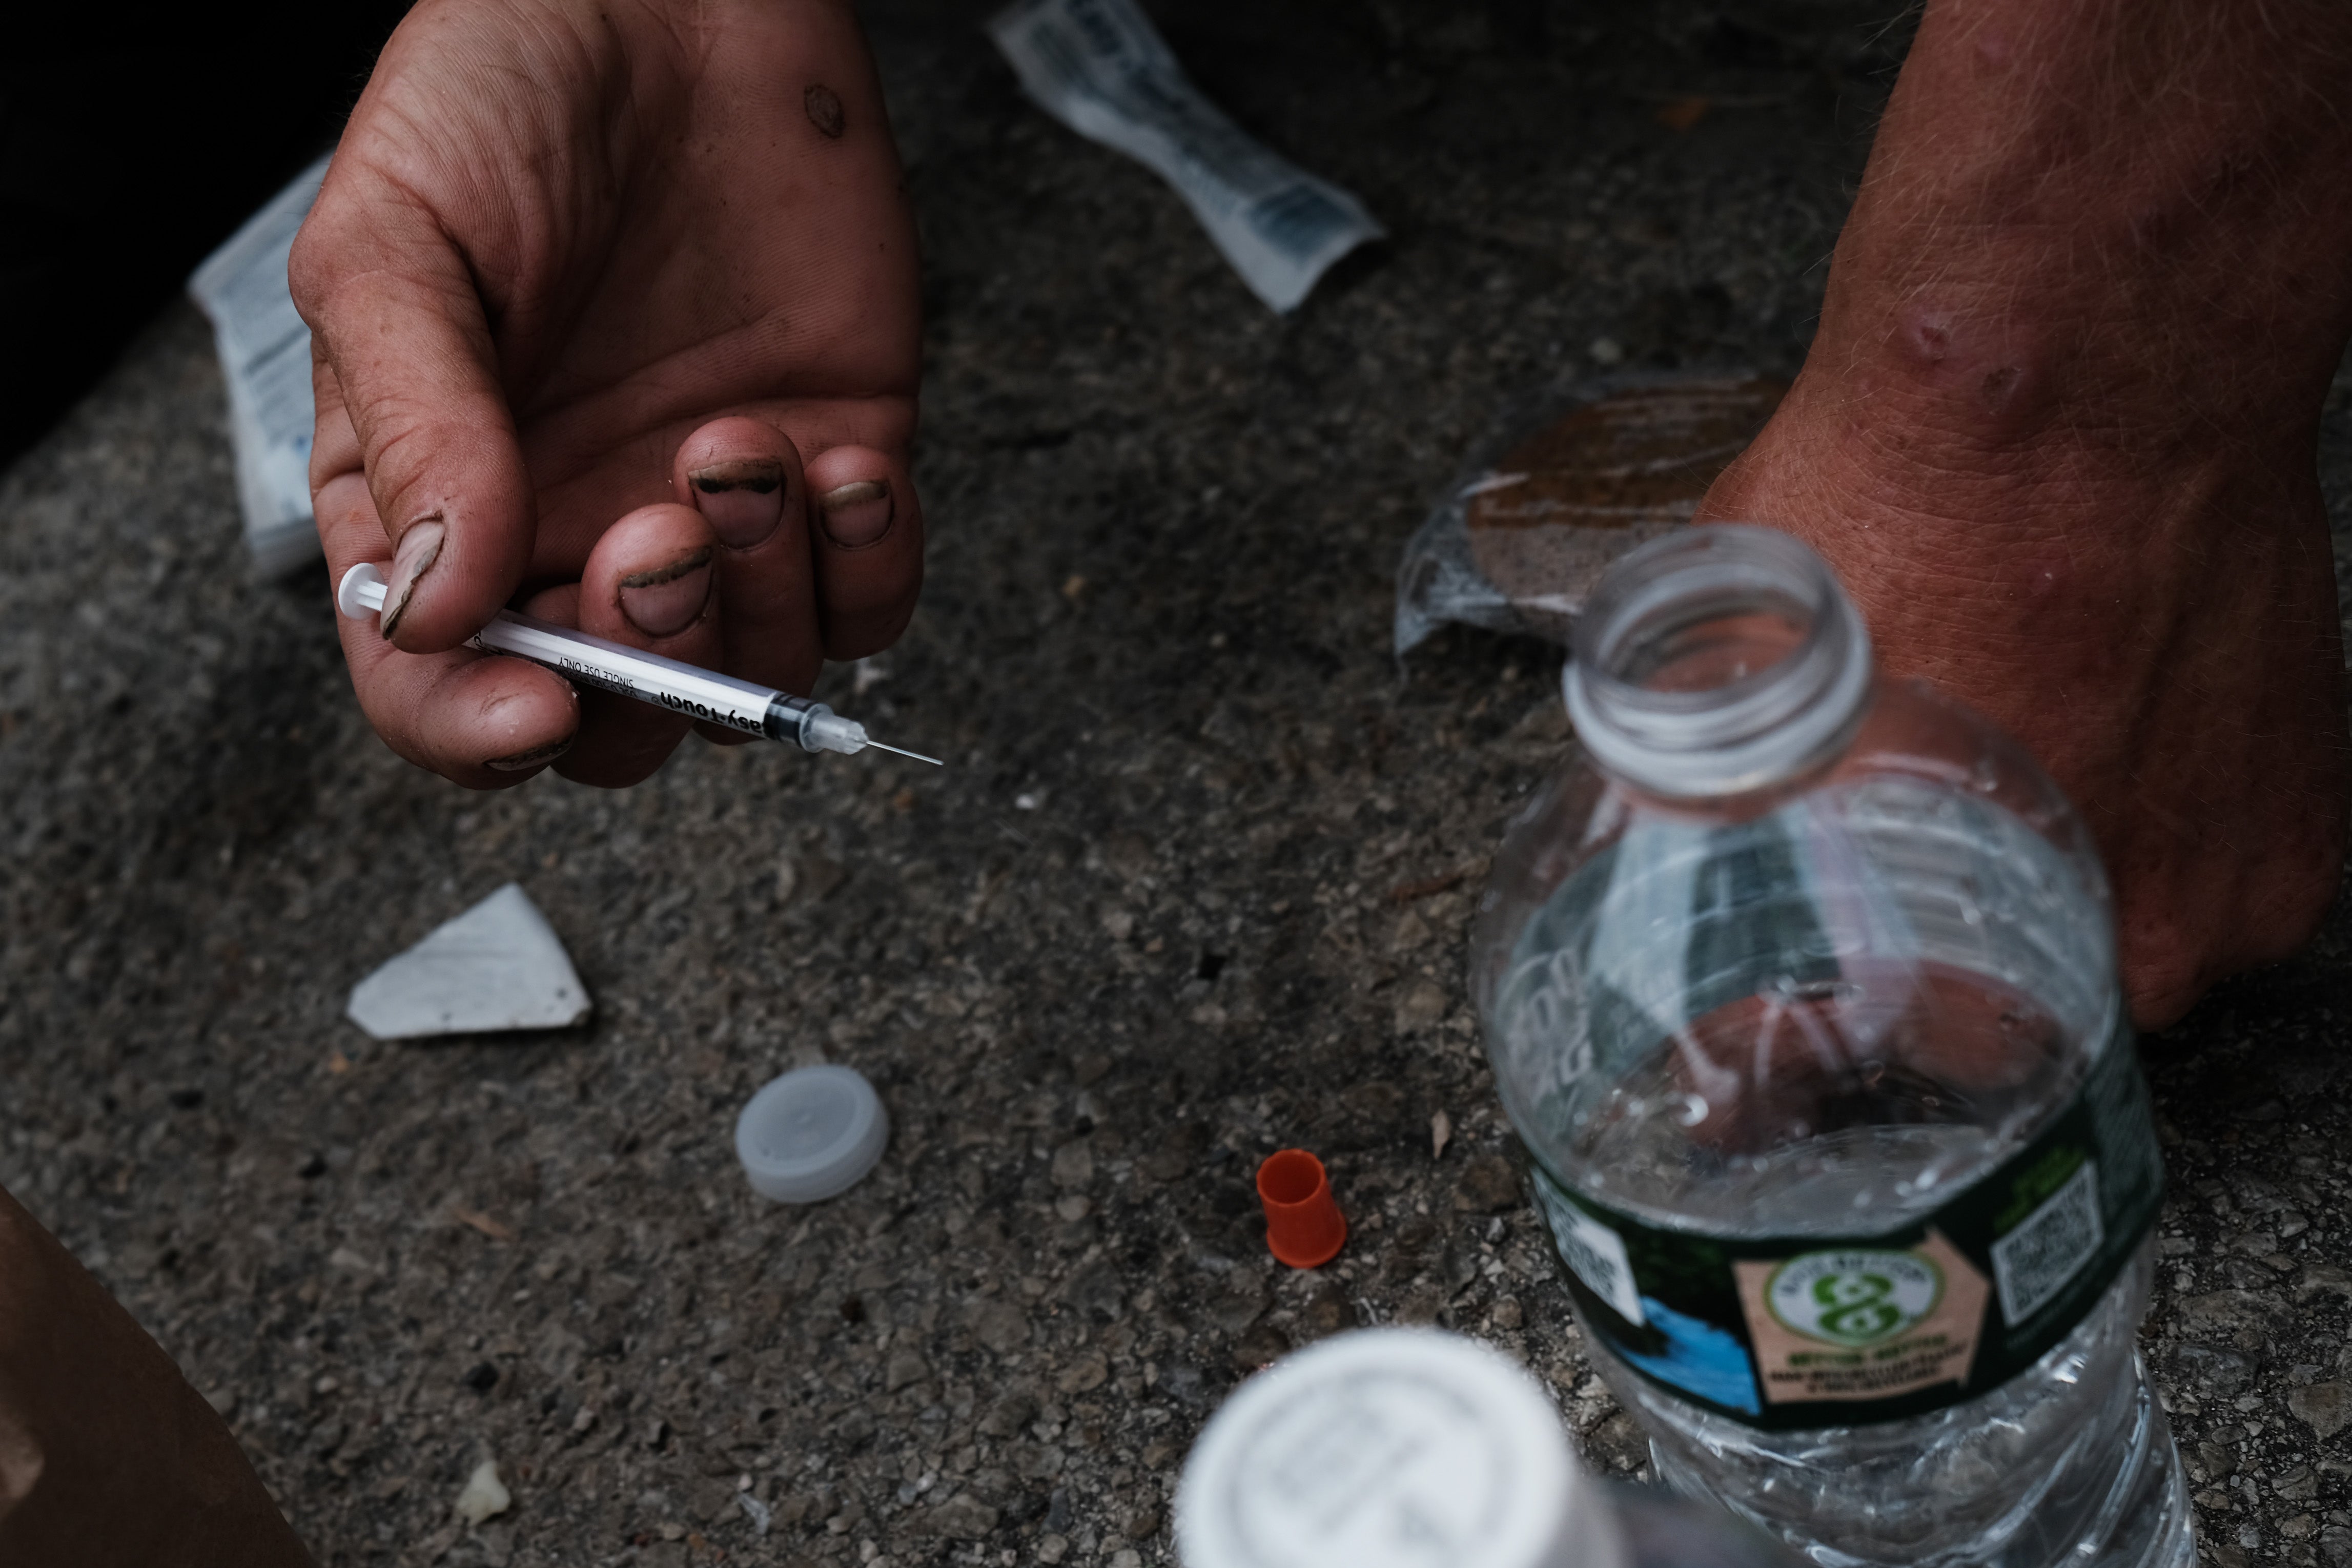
<point x="1700" y="1359"/>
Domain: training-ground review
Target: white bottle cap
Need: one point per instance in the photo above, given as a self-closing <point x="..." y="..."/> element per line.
<point x="812" y="1134"/>
<point x="1391" y="1448"/>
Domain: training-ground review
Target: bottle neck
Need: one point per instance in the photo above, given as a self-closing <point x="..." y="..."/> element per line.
<point x="1716" y="661"/>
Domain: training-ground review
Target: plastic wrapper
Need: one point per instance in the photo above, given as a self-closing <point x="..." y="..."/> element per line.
<point x="264" y="356"/>
<point x="1100" y="69"/>
<point x="1563" y="483"/>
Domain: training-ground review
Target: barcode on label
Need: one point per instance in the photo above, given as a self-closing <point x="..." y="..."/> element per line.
<point x="2034" y="1262"/>
<point x="1593" y="1253"/>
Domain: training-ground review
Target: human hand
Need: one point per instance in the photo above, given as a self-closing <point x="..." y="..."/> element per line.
<point x="616" y="306"/>
<point x="2057" y="435"/>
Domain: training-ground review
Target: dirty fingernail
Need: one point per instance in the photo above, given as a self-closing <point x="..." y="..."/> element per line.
<point x="743" y="501"/>
<point x="856" y="514"/>
<point x="420" y="547"/>
<point x="665" y="599"/>
<point x="524" y="761"/>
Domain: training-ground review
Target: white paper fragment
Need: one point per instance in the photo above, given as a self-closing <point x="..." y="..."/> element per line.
<point x="1099" y="67"/>
<point x="499" y="965"/>
<point x="265" y="354"/>
<point x="484" y="1496"/>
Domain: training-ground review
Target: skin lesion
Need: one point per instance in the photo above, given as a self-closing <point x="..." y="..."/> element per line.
<point x="1987" y="375"/>
<point x="825" y="110"/>
<point x="1994" y="387"/>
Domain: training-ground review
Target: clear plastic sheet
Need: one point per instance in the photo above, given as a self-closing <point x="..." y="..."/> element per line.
<point x="1564" y="482"/>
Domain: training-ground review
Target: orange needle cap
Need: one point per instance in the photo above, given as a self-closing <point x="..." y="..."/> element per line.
<point x="1304" y="1227"/>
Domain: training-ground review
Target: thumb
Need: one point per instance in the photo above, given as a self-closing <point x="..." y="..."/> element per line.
<point x="399" y="325"/>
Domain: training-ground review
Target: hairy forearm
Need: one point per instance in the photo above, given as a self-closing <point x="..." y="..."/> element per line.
<point x="2109" y="219"/>
<point x="2057" y="435"/>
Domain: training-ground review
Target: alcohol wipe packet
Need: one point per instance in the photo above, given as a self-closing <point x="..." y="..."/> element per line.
<point x="1100" y="69"/>
<point x="264" y="355"/>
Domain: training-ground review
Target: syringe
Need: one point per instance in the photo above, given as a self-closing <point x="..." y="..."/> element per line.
<point x="648" y="677"/>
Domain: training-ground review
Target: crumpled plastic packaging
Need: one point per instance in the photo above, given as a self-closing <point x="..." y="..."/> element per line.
<point x="1564" y="482"/>
<point x="1100" y="67"/>
<point x="264" y="356"/>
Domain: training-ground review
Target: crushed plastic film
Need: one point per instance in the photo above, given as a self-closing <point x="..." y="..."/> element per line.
<point x="1563" y="483"/>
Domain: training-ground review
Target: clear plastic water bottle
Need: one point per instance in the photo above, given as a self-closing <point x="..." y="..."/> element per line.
<point x="1801" y="990"/>
<point x="1410" y="1448"/>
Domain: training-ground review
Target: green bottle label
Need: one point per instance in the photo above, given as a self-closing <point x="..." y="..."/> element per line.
<point x="1790" y="1333"/>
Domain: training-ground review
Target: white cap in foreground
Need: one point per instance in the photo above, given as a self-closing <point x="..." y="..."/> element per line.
<point x="812" y="1134"/>
<point x="1391" y="1448"/>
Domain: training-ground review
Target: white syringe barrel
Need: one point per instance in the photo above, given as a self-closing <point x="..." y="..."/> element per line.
<point x="628" y="672"/>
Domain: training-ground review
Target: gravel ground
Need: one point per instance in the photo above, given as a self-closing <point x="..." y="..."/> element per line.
<point x="1195" y="886"/>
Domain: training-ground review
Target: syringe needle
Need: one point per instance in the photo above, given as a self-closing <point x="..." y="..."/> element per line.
<point x="898" y="752"/>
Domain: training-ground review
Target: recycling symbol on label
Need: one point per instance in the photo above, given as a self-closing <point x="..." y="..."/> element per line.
<point x="1854" y="1298"/>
